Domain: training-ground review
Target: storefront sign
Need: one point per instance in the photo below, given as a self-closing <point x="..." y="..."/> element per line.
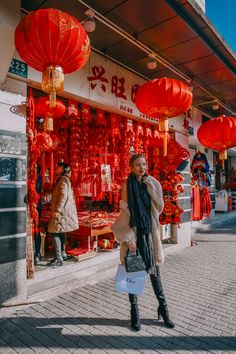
<point x="18" y="68"/>
<point x="109" y="86"/>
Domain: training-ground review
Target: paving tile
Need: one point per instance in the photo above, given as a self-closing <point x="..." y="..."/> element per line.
<point x="200" y="288"/>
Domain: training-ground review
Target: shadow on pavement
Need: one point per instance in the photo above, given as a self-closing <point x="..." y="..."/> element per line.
<point x="65" y="332"/>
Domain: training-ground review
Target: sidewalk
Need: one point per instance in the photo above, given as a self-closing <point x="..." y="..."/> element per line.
<point x="217" y="219"/>
<point x="200" y="285"/>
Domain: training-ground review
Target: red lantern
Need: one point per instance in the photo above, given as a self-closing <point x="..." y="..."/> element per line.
<point x="163" y="98"/>
<point x="53" y="42"/>
<point x="218" y="134"/>
<point x="43" y="109"/>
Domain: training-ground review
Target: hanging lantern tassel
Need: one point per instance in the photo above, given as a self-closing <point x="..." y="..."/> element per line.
<point x="164" y="128"/>
<point x="53" y="82"/>
<point x="51" y="170"/>
<point x="48" y="124"/>
<point x="223" y="157"/>
<point x="43" y="167"/>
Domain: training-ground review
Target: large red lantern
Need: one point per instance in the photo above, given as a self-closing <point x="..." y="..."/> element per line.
<point x="218" y="134"/>
<point x="163" y="98"/>
<point x="43" y="109"/>
<point x="53" y="42"/>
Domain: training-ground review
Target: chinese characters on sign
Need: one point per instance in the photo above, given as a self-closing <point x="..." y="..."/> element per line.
<point x="98" y="75"/>
<point x="99" y="81"/>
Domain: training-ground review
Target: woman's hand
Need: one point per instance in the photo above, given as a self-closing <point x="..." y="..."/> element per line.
<point x="132" y="247"/>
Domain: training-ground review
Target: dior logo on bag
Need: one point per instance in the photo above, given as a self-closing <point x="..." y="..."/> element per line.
<point x="134" y="262"/>
<point x="130" y="281"/>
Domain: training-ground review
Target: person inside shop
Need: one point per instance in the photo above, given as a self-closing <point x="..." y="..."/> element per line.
<point x="138" y="228"/>
<point x="63" y="216"/>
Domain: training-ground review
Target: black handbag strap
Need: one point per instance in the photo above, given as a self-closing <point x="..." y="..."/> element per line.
<point x="134" y="253"/>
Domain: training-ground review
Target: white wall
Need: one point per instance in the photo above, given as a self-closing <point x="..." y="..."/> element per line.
<point x="13" y="94"/>
<point x="9" y="18"/>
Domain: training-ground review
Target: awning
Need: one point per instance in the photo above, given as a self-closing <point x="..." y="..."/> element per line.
<point x="176" y="31"/>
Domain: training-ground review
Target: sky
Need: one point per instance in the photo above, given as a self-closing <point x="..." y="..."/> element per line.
<point x="222" y="14"/>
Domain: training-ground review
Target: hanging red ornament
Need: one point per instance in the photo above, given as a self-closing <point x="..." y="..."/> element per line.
<point x="86" y="113"/>
<point x="114" y="124"/>
<point x="73" y="108"/>
<point x="51" y="170"/>
<point x="148" y="131"/>
<point x="158" y="138"/>
<point x="177" y="212"/>
<point x="53" y="42"/>
<point x="168" y="211"/>
<point x="44" y="141"/>
<point x="43" y="109"/>
<point x="55" y="142"/>
<point x="100" y="118"/>
<point x="163" y="98"/>
<point x="139" y="129"/>
<point x="128" y="126"/>
<point x="218" y="134"/>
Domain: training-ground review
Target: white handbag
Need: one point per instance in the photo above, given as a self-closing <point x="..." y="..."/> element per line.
<point x="130" y="283"/>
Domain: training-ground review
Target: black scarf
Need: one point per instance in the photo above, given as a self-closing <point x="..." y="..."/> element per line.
<point x="139" y="202"/>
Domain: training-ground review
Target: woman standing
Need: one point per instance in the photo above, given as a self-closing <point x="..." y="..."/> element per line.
<point x="64" y="216"/>
<point x="138" y="227"/>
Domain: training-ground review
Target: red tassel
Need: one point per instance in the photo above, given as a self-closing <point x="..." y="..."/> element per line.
<point x="43" y="167"/>
<point x="51" y="170"/>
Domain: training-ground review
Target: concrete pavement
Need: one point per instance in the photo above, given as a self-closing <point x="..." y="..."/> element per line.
<point x="200" y="285"/>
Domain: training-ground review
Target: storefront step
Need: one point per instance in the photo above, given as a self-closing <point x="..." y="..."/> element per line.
<point x="56" y="281"/>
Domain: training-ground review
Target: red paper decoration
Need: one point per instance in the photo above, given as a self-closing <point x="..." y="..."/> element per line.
<point x="44" y="141"/>
<point x="218" y="134"/>
<point x="34" y="154"/>
<point x="100" y="118"/>
<point x="114" y="124"/>
<point x="156" y="141"/>
<point x="86" y="113"/>
<point x="53" y="42"/>
<point x="55" y="142"/>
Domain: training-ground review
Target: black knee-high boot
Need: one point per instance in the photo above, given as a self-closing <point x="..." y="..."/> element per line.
<point x="158" y="290"/>
<point x="134" y="313"/>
